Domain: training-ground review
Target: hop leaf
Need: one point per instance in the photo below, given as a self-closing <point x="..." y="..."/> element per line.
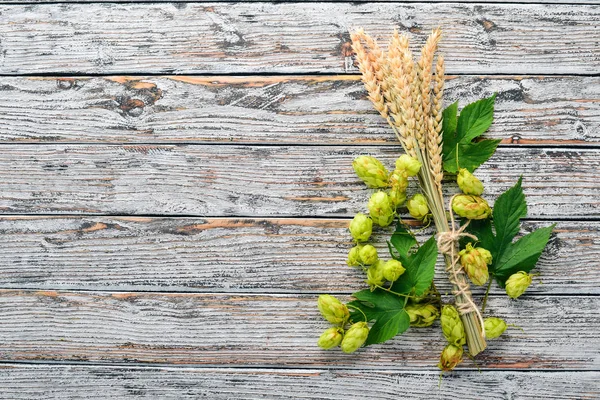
<point x="386" y="309"/>
<point x="510" y="257"/>
<point x="459" y="133"/>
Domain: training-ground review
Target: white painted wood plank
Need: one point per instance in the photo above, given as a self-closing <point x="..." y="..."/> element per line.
<point x="120" y="382"/>
<point x="289" y="37"/>
<point x="272" y="330"/>
<point x="275" y="109"/>
<point x="240" y="255"/>
<point x="206" y="180"/>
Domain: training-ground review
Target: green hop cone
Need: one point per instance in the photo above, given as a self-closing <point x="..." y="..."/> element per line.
<point x="332" y="309"/>
<point x="355" y="337"/>
<point x="375" y="274"/>
<point x="397" y="197"/>
<point x="517" y="284"/>
<point x="353" y="257"/>
<point x="361" y="227"/>
<point x="475" y="262"/>
<point x="421" y="315"/>
<point x="332" y="337"/>
<point x="452" y="326"/>
<point x="494" y="327"/>
<point x="471" y="207"/>
<point x="392" y="270"/>
<point x="371" y="171"/>
<point x="409" y="164"/>
<point x="468" y="183"/>
<point x="381" y="208"/>
<point x="417" y="206"/>
<point x="451" y="357"/>
<point x="399" y="180"/>
<point x="368" y="255"/>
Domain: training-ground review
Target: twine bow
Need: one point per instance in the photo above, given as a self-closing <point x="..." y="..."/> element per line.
<point x="447" y="243"/>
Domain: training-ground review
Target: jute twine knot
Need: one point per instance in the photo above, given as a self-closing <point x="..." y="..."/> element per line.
<point x="448" y="243"/>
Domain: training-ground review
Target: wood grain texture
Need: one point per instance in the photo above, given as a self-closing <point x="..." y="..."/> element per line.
<point x="304" y="1"/>
<point x="203" y="180"/>
<point x="239" y="255"/>
<point x="291" y="37"/>
<point x="101" y="382"/>
<point x="275" y="109"/>
<point x="272" y="330"/>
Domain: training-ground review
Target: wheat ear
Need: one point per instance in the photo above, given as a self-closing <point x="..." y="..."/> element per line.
<point x="368" y="66"/>
<point x="435" y="139"/>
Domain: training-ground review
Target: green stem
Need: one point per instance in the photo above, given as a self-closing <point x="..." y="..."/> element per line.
<point x="487" y="293"/>
<point x="396" y="293"/>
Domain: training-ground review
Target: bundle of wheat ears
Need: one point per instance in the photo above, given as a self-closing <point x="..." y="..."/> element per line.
<point x="408" y="94"/>
<point x="400" y="89"/>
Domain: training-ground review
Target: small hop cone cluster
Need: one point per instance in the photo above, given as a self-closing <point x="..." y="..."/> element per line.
<point x="337" y="313"/>
<point x="517" y="284"/>
<point x="452" y="326"/>
<point x="451" y="357"/>
<point x="475" y="261"/>
<point x="471" y="207"/>
<point x="417" y="207"/>
<point x="371" y="171"/>
<point x="468" y="183"/>
<point x="422" y="315"/>
<point x="454" y="332"/>
<point x="494" y="327"/>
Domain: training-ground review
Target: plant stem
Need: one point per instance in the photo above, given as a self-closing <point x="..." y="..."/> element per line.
<point x="487" y="292"/>
<point x="473" y="328"/>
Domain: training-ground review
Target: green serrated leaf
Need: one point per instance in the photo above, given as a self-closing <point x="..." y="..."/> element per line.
<point x="509" y="208"/>
<point x="420" y="268"/>
<point x="475" y="119"/>
<point x="509" y="257"/>
<point x="388" y="312"/>
<point x="402" y="241"/>
<point x="449" y="122"/>
<point x="472" y="155"/>
<point x="523" y="254"/>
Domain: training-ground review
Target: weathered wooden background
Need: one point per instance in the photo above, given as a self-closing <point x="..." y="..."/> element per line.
<point x="175" y="184"/>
